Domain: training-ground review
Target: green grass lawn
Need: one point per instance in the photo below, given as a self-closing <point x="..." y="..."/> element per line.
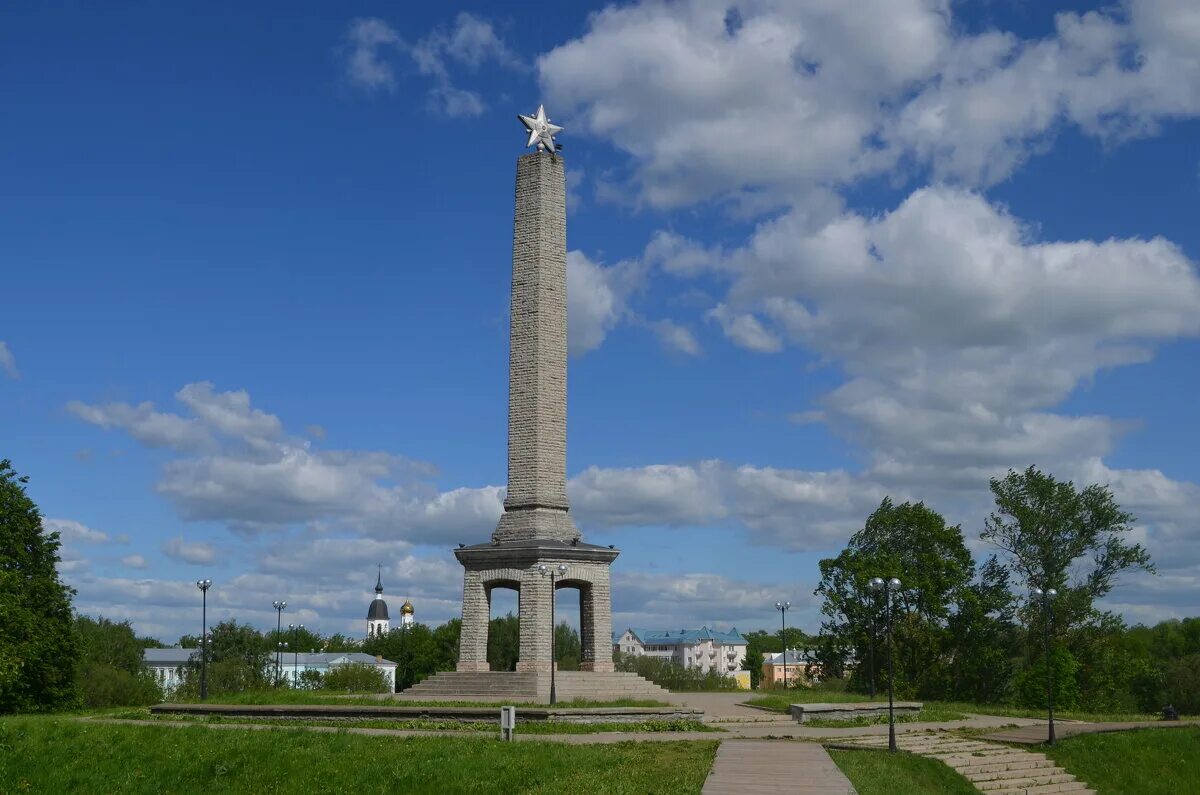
<point x="284" y="696"/>
<point x="883" y="773"/>
<point x="58" y="754"/>
<point x="423" y="724"/>
<point x="1145" y="761"/>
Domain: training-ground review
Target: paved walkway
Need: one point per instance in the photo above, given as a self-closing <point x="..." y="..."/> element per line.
<point x="767" y="768"/>
<point x="992" y="768"/>
<point x="1035" y="735"/>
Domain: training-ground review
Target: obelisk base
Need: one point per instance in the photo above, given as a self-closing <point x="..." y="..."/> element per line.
<point x="534" y="686"/>
<point x="527" y="524"/>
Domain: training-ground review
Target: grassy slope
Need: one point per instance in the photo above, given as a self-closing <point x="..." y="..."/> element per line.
<point x="47" y="754"/>
<point x="1147" y="761"/>
<point x="882" y="773"/>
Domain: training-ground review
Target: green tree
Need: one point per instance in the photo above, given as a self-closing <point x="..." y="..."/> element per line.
<point x="983" y="638"/>
<point x="912" y="542"/>
<point x="1049" y="532"/>
<point x="1030" y="683"/>
<point x="38" y="645"/>
<point x="1180" y="686"/>
<point x="504" y="642"/>
<point x="339" y="642"/>
<point x="110" y="671"/>
<point x="567" y="648"/>
<point x="1054" y="536"/>
<point x="418" y="651"/>
<point x="760" y="643"/>
<point x="238" y="660"/>
<point x="754" y="664"/>
<point x="297" y="639"/>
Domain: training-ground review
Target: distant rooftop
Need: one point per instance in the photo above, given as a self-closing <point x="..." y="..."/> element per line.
<point x="794" y="657"/>
<point x="685" y="637"/>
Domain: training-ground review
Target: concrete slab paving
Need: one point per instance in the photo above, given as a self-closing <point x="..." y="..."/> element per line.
<point x="767" y="768"/>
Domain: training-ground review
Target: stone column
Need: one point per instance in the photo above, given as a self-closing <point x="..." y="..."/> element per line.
<point x="536" y="598"/>
<point x="473" y="635"/>
<point x="595" y="608"/>
<point x="536" y="504"/>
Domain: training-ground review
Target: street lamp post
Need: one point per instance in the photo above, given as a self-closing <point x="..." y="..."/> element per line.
<point x="294" y="629"/>
<point x="871" y="650"/>
<point x="1048" y="617"/>
<point x="888" y="587"/>
<point x="280" y="648"/>
<point x="782" y="607"/>
<point x="203" y="585"/>
<point x="279" y="606"/>
<point x="554" y="573"/>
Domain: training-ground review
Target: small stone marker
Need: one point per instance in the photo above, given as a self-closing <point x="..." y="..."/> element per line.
<point x="508" y="722"/>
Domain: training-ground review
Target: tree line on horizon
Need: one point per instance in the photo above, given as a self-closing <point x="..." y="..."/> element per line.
<point x="961" y="632"/>
<point x="982" y="633"/>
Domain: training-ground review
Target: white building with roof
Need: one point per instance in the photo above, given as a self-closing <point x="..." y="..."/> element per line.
<point x="704" y="648"/>
<point x="167" y="664"/>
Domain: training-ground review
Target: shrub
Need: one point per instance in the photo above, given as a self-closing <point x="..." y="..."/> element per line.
<point x="1181" y="685"/>
<point x="1030" y="685"/>
<point x="225" y="677"/>
<point x="356" y="678"/>
<point x="105" y="686"/>
<point x="310" y="680"/>
<point x="671" y="675"/>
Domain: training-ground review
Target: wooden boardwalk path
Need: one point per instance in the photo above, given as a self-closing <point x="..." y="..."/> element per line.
<point x="766" y="767"/>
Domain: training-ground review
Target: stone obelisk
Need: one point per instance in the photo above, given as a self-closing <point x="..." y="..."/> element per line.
<point x="536" y="505"/>
<point x="536" y="546"/>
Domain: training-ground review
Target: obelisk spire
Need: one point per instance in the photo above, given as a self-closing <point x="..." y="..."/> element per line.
<point x="536" y="505"/>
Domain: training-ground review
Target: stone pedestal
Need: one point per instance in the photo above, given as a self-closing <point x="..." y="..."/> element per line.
<point x="515" y="565"/>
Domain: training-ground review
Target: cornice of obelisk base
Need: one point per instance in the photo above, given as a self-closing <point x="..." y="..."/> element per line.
<point x="528" y="554"/>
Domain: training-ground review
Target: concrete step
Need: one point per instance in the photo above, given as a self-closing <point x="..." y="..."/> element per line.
<point x="1024" y="783"/>
<point x="960" y="761"/>
<point x="986" y="772"/>
<point x="1074" y="788"/>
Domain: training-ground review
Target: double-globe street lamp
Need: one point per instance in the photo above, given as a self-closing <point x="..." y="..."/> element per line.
<point x="279" y="606"/>
<point x="554" y="573"/>
<point x="203" y="585"/>
<point x="889" y="587"/>
<point x="782" y="607"/>
<point x="1048" y="618"/>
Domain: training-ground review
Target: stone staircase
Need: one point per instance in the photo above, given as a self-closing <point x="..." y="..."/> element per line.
<point x="528" y="686"/>
<point x="992" y="768"/>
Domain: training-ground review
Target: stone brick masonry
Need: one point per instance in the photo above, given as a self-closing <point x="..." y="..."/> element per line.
<point x="536" y="528"/>
<point x="536" y="505"/>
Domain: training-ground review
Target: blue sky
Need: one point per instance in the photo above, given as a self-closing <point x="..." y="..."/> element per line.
<point x="256" y="263"/>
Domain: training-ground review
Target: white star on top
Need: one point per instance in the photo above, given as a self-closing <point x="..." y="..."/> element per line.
<point x="541" y="131"/>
